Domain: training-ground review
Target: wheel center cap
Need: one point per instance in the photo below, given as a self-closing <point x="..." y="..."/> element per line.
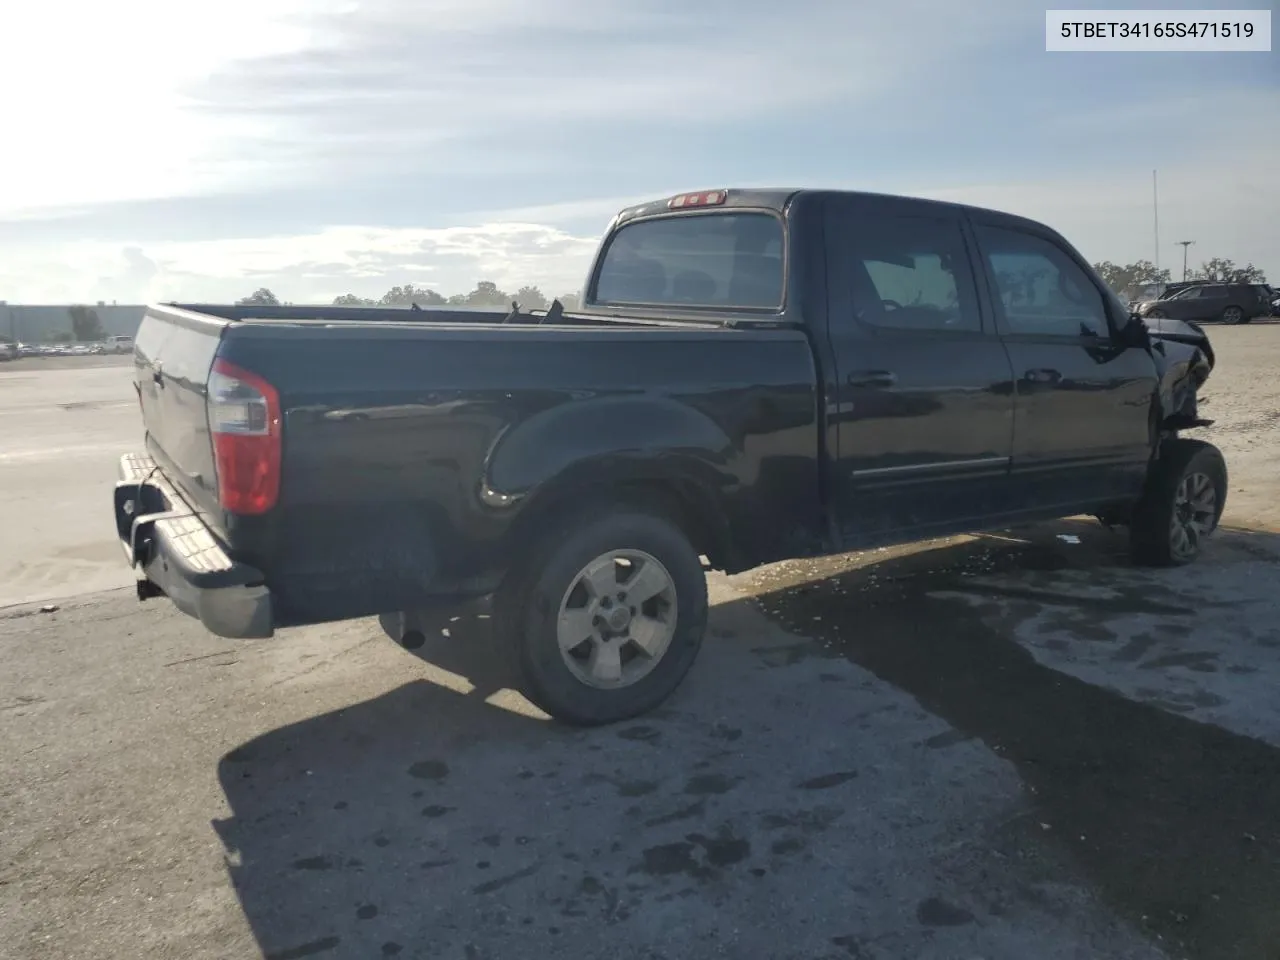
<point x="619" y="618"/>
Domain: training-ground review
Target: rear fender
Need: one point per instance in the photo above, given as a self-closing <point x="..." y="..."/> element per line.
<point x="618" y="447"/>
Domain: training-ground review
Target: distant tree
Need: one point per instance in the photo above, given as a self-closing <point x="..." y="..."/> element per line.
<point x="408" y="295"/>
<point x="531" y="298"/>
<point x="1126" y="279"/>
<point x="487" y="294"/>
<point x="1225" y="271"/>
<point x="85" y="324"/>
<point x="570" y="301"/>
<point x="351" y="300"/>
<point x="262" y="297"/>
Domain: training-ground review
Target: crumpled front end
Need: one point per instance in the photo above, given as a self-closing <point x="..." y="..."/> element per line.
<point x="1185" y="358"/>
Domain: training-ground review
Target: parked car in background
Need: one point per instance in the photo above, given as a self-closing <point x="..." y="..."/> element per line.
<point x="8" y="351"/>
<point x="1226" y="302"/>
<point x="119" y="344"/>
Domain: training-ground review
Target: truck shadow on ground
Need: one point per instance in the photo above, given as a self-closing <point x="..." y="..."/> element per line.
<point x="409" y="824"/>
<point x="1176" y="822"/>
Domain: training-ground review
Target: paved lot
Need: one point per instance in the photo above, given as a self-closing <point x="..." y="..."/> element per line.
<point x="996" y="747"/>
<point x="63" y="424"/>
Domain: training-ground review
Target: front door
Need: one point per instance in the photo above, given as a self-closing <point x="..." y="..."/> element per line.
<point x="1082" y="431"/>
<point x="923" y="412"/>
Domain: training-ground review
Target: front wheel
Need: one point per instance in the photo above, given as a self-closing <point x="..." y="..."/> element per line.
<point x="605" y="621"/>
<point x="1181" y="506"/>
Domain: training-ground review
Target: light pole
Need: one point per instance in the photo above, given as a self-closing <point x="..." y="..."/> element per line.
<point x="1185" y="244"/>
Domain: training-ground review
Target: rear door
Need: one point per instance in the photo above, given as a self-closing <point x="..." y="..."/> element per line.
<point x="1082" y="431"/>
<point x="1212" y="299"/>
<point x="923" y="416"/>
<point x="173" y="357"/>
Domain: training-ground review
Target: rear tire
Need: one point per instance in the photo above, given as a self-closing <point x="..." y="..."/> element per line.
<point x="1232" y="316"/>
<point x="1183" y="501"/>
<point x="632" y="655"/>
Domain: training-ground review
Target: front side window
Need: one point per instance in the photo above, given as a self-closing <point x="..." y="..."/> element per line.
<point x="1041" y="289"/>
<point x="725" y="260"/>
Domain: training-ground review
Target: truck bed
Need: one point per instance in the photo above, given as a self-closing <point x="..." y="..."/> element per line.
<point x="414" y="445"/>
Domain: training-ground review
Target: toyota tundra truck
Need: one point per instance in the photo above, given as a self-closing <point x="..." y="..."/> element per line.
<point x="753" y="375"/>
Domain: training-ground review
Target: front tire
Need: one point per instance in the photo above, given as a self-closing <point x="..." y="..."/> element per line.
<point x="1185" y="494"/>
<point x="606" y="621"/>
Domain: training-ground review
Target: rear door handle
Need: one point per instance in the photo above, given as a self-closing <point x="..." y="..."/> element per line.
<point x="872" y="378"/>
<point x="1042" y="376"/>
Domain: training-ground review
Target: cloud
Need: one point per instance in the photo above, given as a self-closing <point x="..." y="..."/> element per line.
<point x="400" y="77"/>
<point x="151" y="99"/>
<point x="1227" y="204"/>
<point x="301" y="268"/>
<point x="493" y="139"/>
<point x="96" y="94"/>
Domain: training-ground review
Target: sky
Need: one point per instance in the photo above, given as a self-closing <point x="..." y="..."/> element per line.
<point x="163" y="151"/>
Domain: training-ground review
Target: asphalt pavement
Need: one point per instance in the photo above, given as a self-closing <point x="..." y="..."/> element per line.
<point x="1009" y="746"/>
<point x="62" y="428"/>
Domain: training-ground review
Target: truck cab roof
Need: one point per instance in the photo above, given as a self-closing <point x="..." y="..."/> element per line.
<point x="779" y="199"/>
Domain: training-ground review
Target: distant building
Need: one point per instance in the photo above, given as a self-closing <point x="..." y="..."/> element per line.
<point x="46" y="323"/>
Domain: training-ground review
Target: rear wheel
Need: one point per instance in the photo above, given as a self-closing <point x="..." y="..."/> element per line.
<point x="605" y="621"/>
<point x="1181" y="506"/>
<point x="1233" y="315"/>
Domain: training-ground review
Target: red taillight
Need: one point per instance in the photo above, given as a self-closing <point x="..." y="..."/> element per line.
<point x="708" y="198"/>
<point x="244" y="420"/>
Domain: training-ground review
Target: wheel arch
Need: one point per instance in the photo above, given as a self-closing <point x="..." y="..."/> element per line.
<point x="681" y="489"/>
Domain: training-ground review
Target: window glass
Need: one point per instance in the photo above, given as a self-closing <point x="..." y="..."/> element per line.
<point x="703" y="259"/>
<point x="912" y="273"/>
<point x="1042" y="290"/>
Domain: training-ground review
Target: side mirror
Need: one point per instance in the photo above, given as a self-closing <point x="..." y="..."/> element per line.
<point x="1135" y="332"/>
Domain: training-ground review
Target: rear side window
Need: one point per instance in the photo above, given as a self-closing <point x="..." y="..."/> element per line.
<point x="701" y="260"/>
<point x="912" y="273"/>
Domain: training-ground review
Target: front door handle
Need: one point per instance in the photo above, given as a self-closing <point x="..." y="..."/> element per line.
<point x="872" y="378"/>
<point x="1042" y="375"/>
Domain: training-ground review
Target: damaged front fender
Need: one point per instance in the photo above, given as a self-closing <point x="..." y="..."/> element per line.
<point x="1184" y="359"/>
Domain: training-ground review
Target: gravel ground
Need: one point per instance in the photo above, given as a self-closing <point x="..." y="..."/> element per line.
<point x="1009" y="746"/>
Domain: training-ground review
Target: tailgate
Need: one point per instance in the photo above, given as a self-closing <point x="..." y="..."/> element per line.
<point x="173" y="356"/>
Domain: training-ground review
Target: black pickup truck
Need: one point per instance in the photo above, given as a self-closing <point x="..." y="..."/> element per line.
<point x="754" y="375"/>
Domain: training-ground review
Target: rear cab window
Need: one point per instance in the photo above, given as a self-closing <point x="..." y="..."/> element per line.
<point x="724" y="260"/>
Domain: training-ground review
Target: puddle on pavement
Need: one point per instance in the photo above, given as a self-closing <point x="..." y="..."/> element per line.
<point x="1175" y="823"/>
